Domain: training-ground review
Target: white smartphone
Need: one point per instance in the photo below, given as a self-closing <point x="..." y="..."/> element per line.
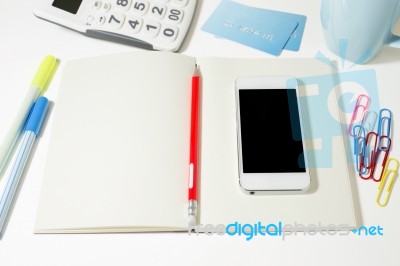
<point x="270" y="135"/>
<point x="150" y="24"/>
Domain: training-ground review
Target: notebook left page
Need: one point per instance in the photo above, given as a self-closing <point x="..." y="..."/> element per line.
<point x="119" y="146"/>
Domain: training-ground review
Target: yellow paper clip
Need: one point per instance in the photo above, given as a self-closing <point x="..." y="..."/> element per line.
<point x="391" y="173"/>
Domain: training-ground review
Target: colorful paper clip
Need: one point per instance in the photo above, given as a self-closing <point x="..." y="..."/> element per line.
<point x="360" y="148"/>
<point x="369" y="120"/>
<point x="377" y="146"/>
<point x="384" y="122"/>
<point x="359" y="111"/>
<point x="370" y="153"/>
<point x="391" y="173"/>
<point x="382" y="155"/>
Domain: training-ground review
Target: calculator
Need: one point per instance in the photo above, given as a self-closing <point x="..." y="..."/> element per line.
<point x="149" y="24"/>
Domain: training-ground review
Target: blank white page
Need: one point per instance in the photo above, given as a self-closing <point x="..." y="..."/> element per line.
<point x="329" y="200"/>
<point x="119" y="146"/>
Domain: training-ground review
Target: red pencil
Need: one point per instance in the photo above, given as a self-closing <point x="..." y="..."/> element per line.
<point x="194" y="143"/>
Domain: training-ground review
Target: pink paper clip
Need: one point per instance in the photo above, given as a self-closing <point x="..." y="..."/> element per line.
<point x="359" y="111"/>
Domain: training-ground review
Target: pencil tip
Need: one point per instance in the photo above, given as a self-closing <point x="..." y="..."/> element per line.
<point x="196" y="71"/>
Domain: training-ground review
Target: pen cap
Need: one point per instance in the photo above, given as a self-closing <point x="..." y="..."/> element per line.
<point x="44" y="73"/>
<point x="37" y="115"/>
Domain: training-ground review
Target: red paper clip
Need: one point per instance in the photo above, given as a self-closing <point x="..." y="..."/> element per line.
<point x="370" y="154"/>
<point x="381" y="157"/>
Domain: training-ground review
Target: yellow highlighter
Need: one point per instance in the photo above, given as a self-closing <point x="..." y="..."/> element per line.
<point x="39" y="85"/>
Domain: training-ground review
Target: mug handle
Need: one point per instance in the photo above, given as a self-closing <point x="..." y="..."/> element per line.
<point x="393" y="41"/>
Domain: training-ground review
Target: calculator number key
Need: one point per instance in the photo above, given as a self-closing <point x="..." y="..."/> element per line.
<point x="115" y="21"/>
<point x="158" y="11"/>
<point x="175" y="15"/>
<point x="122" y="5"/>
<point x="133" y="25"/>
<point x="169" y="33"/>
<point x="140" y="7"/>
<point x="151" y="29"/>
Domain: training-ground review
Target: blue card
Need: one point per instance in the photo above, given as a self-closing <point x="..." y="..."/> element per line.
<point x="295" y="40"/>
<point x="265" y="30"/>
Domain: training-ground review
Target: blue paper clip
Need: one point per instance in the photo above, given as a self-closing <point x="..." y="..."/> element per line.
<point x="369" y="120"/>
<point x="360" y="148"/>
<point x="389" y="171"/>
<point x="384" y="122"/>
<point x="359" y="111"/>
<point x="381" y="156"/>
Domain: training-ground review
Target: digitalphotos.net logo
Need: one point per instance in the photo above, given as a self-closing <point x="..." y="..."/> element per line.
<point x="281" y="230"/>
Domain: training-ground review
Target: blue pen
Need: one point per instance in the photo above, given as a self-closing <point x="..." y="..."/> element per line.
<point x="31" y="130"/>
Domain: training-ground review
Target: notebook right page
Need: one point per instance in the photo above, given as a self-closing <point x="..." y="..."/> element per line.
<point x="329" y="201"/>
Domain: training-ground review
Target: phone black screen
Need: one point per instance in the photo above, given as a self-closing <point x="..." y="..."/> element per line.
<point x="271" y="136"/>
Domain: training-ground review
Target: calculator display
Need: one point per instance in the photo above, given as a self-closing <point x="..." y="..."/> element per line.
<point x="70" y="6"/>
<point x="150" y="24"/>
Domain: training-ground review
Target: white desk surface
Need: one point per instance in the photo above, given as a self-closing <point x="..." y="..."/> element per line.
<point x="24" y="42"/>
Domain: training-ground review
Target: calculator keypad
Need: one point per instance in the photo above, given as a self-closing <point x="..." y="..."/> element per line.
<point x="149" y="19"/>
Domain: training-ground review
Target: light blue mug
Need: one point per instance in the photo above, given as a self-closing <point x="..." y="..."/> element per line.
<point x="356" y="30"/>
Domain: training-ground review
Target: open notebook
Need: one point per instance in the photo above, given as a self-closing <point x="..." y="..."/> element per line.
<point x="119" y="148"/>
